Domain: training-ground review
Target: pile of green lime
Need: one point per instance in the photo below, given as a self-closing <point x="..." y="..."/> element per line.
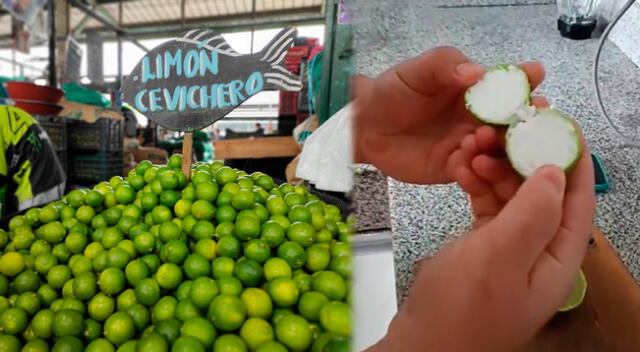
<point x="152" y="262"/>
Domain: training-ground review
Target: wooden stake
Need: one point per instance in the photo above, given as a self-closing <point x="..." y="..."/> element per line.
<point x="187" y="144"/>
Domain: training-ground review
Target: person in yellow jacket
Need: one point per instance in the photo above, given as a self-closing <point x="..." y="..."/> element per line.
<point x="30" y="172"/>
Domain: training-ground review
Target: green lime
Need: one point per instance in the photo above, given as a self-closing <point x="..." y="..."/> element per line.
<point x="340" y="249"/>
<point x="201" y="177"/>
<point x="294" y="199"/>
<point x="187" y="344"/>
<point x="37" y="345"/>
<point x="47" y="294"/>
<point x="255" y="332"/>
<point x="31" y="216"/>
<point x="29" y="302"/>
<point x="244" y="199"/>
<point x="299" y="213"/>
<point x="27" y="280"/>
<point x="58" y="276"/>
<point x="75" y="198"/>
<point x="257" y="302"/>
<point x="245" y="182"/>
<point x="206" y="248"/>
<point x="111" y="237"/>
<point x="70" y="303"/>
<point x="286" y="188"/>
<point x="53" y="232"/>
<point x="342" y="266"/>
<point x="222" y="266"/>
<point x="229" y="343"/>
<point x="152" y="342"/>
<point x="66" y="213"/>
<point x="225" y="213"/>
<point x="331" y="285"/>
<point x="100" y="306"/>
<point x="100" y="345"/>
<point x="202" y="291"/>
<point x="169" y="276"/>
<point x="318" y="258"/>
<point x="48" y="214"/>
<point x="196" y="266"/>
<point x="303" y="281"/>
<point x="42" y="323"/>
<point x="150" y="175"/>
<point x="175" y="161"/>
<point x="225" y="175"/>
<point x="247" y="228"/>
<point x="39" y="247"/>
<point x="202" y="229"/>
<point x="128" y="246"/>
<point x="301" y="233"/>
<point x="169" y="198"/>
<point x="182" y="208"/>
<point x="207" y="191"/>
<point x="261" y="212"/>
<point x="283" y="291"/>
<point x="91" y="250"/>
<point x="293" y="253"/>
<point x="112" y="281"/>
<point x="257" y="250"/>
<point x="92" y="330"/>
<point x="185" y="310"/>
<point x="227" y="312"/>
<point x="142" y="167"/>
<point x="174" y="251"/>
<point x="184" y="290"/>
<point x="13" y="321"/>
<point x="336" y="317"/>
<point x="140" y="316"/>
<point x="76" y="242"/>
<point x="165" y="308"/>
<point x="272" y="346"/>
<point x="112" y="215"/>
<point x="169" y="231"/>
<point x="200" y="329"/>
<point x="202" y="210"/>
<point x="135" y="271"/>
<point x="101" y="261"/>
<point x="44" y="263"/>
<point x="310" y="305"/>
<point x="317" y="221"/>
<point x="119" y="328"/>
<point x="229" y="246"/>
<point x="224" y="229"/>
<point x="577" y="294"/>
<point x="11" y="264"/>
<point x="231" y="188"/>
<point x="117" y="257"/>
<point x="144" y="243"/>
<point x="85" y="285"/>
<point x="124" y="194"/>
<point x="230" y="285"/>
<point x="85" y="213"/>
<point x="152" y="261"/>
<point x="188" y="222"/>
<point x="67" y="289"/>
<point x="169" y="180"/>
<point x="249" y="272"/>
<point x="149" y="201"/>
<point x="161" y="214"/>
<point x="126" y="223"/>
<point x="224" y="198"/>
<point x="276" y="267"/>
<point x="277" y="205"/>
<point x="168" y="328"/>
<point x="68" y="322"/>
<point x="294" y="331"/>
<point x="324" y="236"/>
<point x="322" y="340"/>
<point x="68" y="344"/>
<point x="261" y="195"/>
<point x="265" y="181"/>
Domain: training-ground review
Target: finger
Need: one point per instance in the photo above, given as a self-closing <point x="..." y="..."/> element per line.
<point x="500" y="173"/>
<point x="535" y="72"/>
<point x="529" y="221"/>
<point x="361" y="86"/>
<point x="570" y="244"/>
<point x="469" y="148"/>
<point x="489" y="140"/>
<point x="550" y="284"/>
<point x="540" y="102"/>
<point x="483" y="201"/>
<point x="439" y="69"/>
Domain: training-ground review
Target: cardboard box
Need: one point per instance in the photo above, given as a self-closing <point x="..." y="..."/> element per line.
<point x="154" y="155"/>
<point x="88" y="113"/>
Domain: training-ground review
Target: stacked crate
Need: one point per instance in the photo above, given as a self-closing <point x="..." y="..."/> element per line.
<point x="96" y="150"/>
<point x="56" y="129"/>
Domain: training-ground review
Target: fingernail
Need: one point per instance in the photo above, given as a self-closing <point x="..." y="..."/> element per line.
<point x="555" y="176"/>
<point x="468" y="68"/>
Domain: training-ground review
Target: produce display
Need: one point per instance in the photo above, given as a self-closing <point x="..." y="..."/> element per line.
<point x="152" y="262"/>
<point x="535" y="137"/>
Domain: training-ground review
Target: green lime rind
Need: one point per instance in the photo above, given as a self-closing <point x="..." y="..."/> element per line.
<point x="513" y="118"/>
<point x="576" y="134"/>
<point x="577" y="294"/>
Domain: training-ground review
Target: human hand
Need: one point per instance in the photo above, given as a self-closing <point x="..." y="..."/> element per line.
<point x="494" y="288"/>
<point x="410" y="119"/>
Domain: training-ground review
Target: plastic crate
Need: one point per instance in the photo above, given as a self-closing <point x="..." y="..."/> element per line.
<point x="56" y="128"/>
<point x="103" y="135"/>
<point x="62" y="156"/>
<point x="92" y="168"/>
<point x="288" y="103"/>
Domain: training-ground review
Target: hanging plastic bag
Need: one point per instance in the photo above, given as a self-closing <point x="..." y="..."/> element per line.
<point x="327" y="157"/>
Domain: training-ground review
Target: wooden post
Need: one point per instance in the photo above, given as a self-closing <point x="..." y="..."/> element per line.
<point x="187" y="144"/>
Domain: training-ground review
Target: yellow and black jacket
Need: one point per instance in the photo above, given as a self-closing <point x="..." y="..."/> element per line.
<point x="30" y="172"/>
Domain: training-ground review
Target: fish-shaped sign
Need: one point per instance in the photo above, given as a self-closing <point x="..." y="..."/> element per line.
<point x="188" y="83"/>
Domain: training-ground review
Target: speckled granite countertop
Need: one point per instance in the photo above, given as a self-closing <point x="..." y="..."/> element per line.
<point x="423" y="218"/>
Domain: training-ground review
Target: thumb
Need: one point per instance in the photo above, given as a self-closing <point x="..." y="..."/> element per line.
<point x="439" y="69"/>
<point x="530" y="220"/>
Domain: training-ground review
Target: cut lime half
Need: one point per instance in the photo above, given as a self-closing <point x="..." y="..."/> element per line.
<point x="577" y="295"/>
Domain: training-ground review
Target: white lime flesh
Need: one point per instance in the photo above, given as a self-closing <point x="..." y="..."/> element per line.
<point x="546" y="138"/>
<point x="498" y="96"/>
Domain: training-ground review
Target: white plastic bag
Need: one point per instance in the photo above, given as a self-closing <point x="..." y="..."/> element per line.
<point x="326" y="159"/>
